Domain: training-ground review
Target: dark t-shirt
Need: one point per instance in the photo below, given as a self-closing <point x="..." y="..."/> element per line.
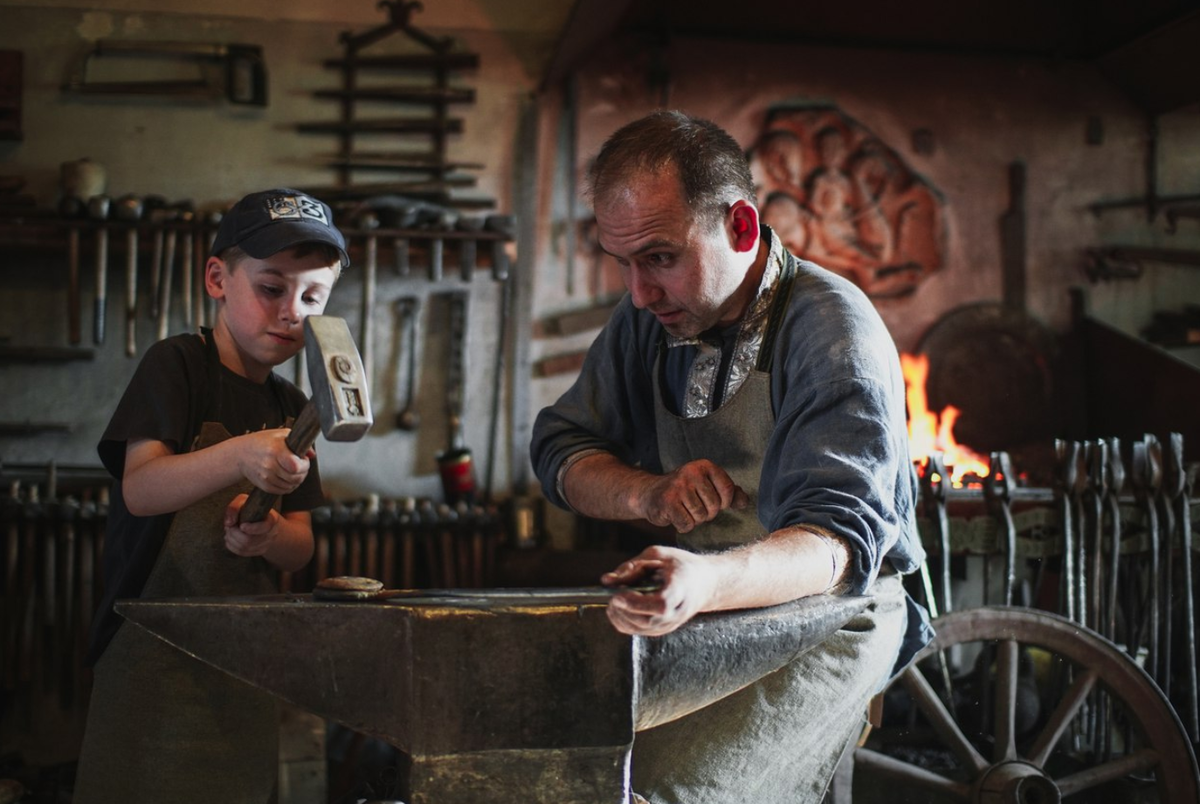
<point x="178" y="385"/>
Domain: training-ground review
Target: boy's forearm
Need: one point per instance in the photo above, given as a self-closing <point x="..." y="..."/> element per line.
<point x="293" y="545"/>
<point x="163" y="482"/>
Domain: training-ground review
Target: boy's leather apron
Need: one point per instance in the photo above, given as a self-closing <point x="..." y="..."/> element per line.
<point x="162" y="726"/>
<point x="751" y="746"/>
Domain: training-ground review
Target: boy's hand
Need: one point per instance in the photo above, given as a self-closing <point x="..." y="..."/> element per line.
<point x="266" y="461"/>
<point x="249" y="539"/>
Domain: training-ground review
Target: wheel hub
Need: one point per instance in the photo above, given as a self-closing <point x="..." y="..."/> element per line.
<point x="1016" y="782"/>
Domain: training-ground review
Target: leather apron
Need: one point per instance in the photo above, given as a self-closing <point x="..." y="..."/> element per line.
<point x="779" y="738"/>
<point x="163" y="726"/>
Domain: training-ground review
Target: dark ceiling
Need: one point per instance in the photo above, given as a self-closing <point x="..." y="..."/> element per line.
<point x="1149" y="47"/>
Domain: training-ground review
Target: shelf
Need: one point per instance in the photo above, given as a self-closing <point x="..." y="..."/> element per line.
<point x="415" y="125"/>
<point x="401" y="94"/>
<point x="417" y="61"/>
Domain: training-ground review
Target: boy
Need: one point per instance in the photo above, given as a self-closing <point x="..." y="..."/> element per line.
<point x="203" y="419"/>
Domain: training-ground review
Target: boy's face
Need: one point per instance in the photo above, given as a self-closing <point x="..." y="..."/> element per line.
<point x="262" y="307"/>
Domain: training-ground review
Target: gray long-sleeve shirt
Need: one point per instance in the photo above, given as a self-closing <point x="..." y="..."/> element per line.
<point x="838" y="457"/>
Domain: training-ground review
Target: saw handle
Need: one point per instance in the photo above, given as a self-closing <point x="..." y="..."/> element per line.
<point x="300" y="440"/>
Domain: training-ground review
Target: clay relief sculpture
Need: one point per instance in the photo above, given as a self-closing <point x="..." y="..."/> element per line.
<point x="838" y="196"/>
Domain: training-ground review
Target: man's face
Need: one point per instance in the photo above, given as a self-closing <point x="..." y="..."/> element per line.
<point x="682" y="270"/>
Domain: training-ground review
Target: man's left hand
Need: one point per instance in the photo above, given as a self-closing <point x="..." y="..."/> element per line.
<point x="688" y="586"/>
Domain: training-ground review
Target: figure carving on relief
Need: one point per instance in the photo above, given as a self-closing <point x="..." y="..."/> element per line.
<point x="790" y="220"/>
<point x="781" y="159"/>
<point x="858" y="210"/>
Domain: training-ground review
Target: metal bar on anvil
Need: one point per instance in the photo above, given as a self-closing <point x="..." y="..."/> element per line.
<point x="491" y="692"/>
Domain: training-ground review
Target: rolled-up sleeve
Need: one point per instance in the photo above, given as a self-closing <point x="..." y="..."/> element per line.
<point x="608" y="408"/>
<point x="838" y="458"/>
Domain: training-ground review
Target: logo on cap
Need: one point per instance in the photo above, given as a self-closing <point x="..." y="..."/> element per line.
<point x="296" y="207"/>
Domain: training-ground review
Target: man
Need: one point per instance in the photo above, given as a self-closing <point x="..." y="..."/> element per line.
<point x="754" y="403"/>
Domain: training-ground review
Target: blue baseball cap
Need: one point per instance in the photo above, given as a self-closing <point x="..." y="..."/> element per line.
<point x="265" y="223"/>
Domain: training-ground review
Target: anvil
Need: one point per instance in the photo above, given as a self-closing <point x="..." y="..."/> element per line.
<point x="499" y="695"/>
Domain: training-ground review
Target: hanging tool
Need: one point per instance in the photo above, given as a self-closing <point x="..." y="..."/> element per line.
<point x="455" y="464"/>
<point x="935" y="485"/>
<point x="468" y="246"/>
<point x="156" y="263"/>
<point x="1177" y="491"/>
<point x="199" y="293"/>
<point x="1091" y="537"/>
<point x="436" y="220"/>
<point x="164" y="284"/>
<point x="406" y="322"/>
<point x="74" y="335"/>
<point x="1115" y="480"/>
<point x="1146" y="477"/>
<point x="369" y="223"/>
<point x="498" y="377"/>
<point x="1065" y="490"/>
<point x="1012" y="239"/>
<point x="242" y="77"/>
<point x="131" y="260"/>
<point x="933" y="493"/>
<point x="1176" y="499"/>
<point x="997" y="489"/>
<point x="503" y="225"/>
<point x="1166" y="565"/>
<point x="185" y="278"/>
<point x="98" y="210"/>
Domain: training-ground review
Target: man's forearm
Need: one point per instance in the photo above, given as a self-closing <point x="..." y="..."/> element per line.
<point x="601" y="486"/>
<point x="785" y="565"/>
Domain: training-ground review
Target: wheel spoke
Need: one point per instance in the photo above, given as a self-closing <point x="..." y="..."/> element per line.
<point x="1143" y="760"/>
<point x="927" y="700"/>
<point x="1074" y="697"/>
<point x="1006" y="701"/>
<point x="913" y="774"/>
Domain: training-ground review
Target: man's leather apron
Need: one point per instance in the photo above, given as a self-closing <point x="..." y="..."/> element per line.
<point x="163" y="726"/>
<point x="756" y="745"/>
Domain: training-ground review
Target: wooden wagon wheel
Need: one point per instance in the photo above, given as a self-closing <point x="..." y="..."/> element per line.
<point x="1072" y="675"/>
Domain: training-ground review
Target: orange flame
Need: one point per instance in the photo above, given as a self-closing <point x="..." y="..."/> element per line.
<point x="930" y="432"/>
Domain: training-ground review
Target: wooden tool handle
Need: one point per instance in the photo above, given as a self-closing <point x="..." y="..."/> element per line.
<point x="301" y="438"/>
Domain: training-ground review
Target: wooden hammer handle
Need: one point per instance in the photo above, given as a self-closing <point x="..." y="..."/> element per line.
<point x="301" y="438"/>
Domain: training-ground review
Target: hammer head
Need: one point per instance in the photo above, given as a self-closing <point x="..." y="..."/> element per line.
<point x="339" y="383"/>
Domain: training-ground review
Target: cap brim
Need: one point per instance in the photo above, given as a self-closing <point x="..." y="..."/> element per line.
<point x="279" y="236"/>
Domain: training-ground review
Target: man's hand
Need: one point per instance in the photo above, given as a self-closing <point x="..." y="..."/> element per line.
<point x="691" y="495"/>
<point x="265" y="460"/>
<point x="688" y="587"/>
<point x="249" y="539"/>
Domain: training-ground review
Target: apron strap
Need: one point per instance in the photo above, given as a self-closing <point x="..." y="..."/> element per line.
<point x="779" y="305"/>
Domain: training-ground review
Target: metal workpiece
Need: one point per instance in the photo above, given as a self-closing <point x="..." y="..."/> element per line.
<point x="498" y="695"/>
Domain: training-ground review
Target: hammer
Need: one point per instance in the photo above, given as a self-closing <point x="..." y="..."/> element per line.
<point x="340" y="405"/>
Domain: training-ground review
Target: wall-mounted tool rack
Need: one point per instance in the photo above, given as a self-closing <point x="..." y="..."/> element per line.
<point x="427" y="171"/>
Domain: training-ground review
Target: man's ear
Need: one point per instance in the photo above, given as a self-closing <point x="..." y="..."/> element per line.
<point x="743" y="226"/>
<point x="216" y="274"/>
